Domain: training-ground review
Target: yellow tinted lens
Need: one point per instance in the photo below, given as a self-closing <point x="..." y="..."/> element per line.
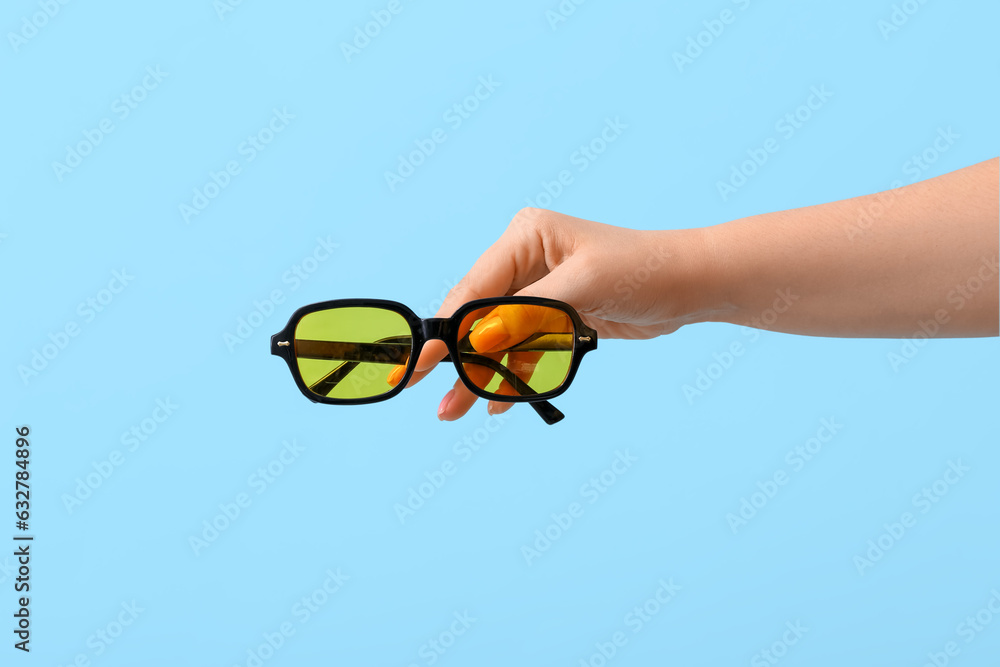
<point x="352" y="352"/>
<point x="516" y="349"/>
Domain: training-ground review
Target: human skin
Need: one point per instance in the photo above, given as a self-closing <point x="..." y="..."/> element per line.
<point x="923" y="249"/>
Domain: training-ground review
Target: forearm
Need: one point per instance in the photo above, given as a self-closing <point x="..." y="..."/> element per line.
<point x="927" y="251"/>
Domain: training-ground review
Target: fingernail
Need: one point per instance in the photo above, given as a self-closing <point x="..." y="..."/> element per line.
<point x="395" y="375"/>
<point x="488" y="335"/>
<point x="444" y="403"/>
<point x="489" y="408"/>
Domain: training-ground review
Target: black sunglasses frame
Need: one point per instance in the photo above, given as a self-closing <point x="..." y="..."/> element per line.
<point x="446" y="330"/>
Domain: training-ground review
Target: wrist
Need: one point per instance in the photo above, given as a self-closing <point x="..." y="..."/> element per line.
<point x="699" y="288"/>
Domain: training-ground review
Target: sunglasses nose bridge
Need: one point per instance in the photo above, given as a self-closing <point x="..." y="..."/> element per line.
<point x="435" y="327"/>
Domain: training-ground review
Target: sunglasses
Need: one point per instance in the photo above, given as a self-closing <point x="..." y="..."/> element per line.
<point x="510" y="349"/>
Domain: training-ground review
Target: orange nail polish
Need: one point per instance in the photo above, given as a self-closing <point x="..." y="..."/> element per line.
<point x="395" y="375"/>
<point x="488" y="336"/>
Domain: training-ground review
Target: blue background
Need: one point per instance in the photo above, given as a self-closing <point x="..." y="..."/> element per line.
<point x="333" y="507"/>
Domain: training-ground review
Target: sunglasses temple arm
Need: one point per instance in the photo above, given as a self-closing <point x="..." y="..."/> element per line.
<point x="326" y="384"/>
<point x="549" y="413"/>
